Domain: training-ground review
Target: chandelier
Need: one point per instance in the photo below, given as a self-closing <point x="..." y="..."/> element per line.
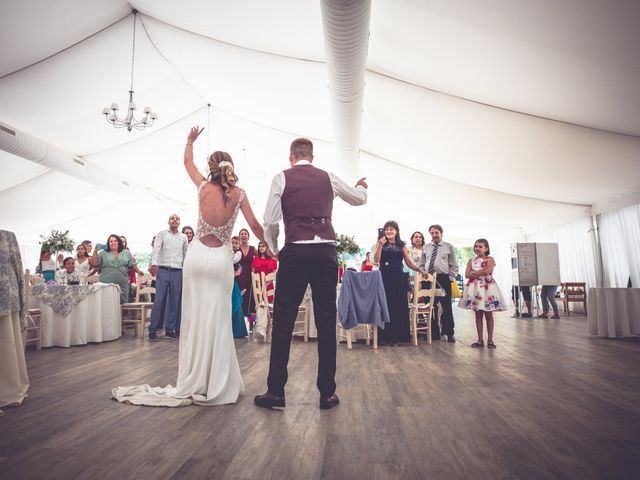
<point x="129" y="120"/>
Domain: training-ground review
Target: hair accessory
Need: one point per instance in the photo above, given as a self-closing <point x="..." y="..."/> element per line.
<point x="224" y="163"/>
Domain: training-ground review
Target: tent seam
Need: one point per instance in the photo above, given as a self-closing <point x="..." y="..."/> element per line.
<point x="64" y="49"/>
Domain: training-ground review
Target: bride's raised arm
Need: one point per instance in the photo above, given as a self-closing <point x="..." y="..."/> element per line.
<point x="251" y="219"/>
<point x="192" y="170"/>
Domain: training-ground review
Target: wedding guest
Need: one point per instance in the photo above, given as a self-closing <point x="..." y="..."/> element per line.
<point x="60" y="261"/>
<point x="188" y="231"/>
<point x="244" y="280"/>
<point x="88" y="245"/>
<point x="238" y="324"/>
<point x="481" y="293"/>
<point x="114" y="265"/>
<point x="264" y="263"/>
<point x="47" y="265"/>
<point x="68" y="275"/>
<point x="548" y="296"/>
<point x="439" y="257"/>
<point x="526" y="294"/>
<point x="14" y="380"/>
<point x="132" y="272"/>
<point x="169" y="250"/>
<point x="83" y="265"/>
<point x="417" y="245"/>
<point x="367" y="265"/>
<point x="390" y="253"/>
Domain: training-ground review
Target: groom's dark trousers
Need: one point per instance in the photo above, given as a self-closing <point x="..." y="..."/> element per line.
<point x="315" y="264"/>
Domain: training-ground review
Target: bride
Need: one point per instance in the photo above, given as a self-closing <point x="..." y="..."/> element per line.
<point x="208" y="370"/>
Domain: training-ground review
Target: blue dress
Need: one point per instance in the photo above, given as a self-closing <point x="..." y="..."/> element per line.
<point x="237" y="316"/>
<point x="395" y="289"/>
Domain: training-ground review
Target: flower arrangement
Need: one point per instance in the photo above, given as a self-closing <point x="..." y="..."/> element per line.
<point x="346" y="244"/>
<point x="57" y="242"/>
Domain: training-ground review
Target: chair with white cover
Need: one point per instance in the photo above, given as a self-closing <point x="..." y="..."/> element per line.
<point x="422" y="304"/>
<point x="139" y="311"/>
<point x="263" y="319"/>
<point x="266" y="286"/>
<point x="33" y="332"/>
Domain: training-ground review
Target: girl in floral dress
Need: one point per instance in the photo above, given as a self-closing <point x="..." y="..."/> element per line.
<point x="481" y="293"/>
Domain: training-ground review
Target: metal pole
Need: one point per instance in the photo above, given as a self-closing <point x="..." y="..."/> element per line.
<point x="598" y="245"/>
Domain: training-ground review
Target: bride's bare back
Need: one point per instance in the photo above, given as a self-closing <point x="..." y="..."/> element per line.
<point x="214" y="211"/>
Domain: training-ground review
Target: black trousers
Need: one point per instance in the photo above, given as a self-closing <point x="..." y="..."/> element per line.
<point x="301" y="265"/>
<point x="447" y="311"/>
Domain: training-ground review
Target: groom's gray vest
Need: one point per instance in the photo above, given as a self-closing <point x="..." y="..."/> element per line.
<point x="307" y="204"/>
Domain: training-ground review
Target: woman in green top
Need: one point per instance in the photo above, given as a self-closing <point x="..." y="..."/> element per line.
<point x="114" y="265"/>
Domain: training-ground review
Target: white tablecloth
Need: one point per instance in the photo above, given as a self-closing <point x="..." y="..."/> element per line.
<point x="614" y="312"/>
<point x="97" y="318"/>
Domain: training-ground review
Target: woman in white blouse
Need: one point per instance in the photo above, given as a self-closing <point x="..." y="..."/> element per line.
<point x="82" y="261"/>
<point x="417" y="243"/>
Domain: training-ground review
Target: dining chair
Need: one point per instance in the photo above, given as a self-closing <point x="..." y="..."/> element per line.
<point x="33" y="332"/>
<point x="573" y="292"/>
<point x="421" y="307"/>
<point x="138" y="312"/>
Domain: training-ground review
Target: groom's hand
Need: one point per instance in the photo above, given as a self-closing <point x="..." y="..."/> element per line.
<point x="362" y="183"/>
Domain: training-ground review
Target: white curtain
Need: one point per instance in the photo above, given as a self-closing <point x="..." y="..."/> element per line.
<point x="576" y="249"/>
<point x="620" y="241"/>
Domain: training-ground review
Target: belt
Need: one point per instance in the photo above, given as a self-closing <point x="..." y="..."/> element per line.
<point x="171" y="269"/>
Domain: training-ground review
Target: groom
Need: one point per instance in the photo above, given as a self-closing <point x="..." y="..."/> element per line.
<point x="303" y="196"/>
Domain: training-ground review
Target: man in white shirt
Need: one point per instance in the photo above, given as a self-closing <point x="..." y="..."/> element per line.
<point x="169" y="250"/>
<point x="439" y="257"/>
<point x="303" y="196"/>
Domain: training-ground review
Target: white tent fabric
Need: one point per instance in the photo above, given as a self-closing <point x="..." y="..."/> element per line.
<point x="497" y="120"/>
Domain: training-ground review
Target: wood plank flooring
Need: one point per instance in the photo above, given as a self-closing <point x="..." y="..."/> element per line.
<point x="549" y="403"/>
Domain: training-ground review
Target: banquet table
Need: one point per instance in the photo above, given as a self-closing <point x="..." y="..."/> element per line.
<point x="613" y="312"/>
<point x="77" y="314"/>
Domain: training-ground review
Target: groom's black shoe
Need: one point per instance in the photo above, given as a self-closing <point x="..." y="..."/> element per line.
<point x="329" y="402"/>
<point x="269" y="400"/>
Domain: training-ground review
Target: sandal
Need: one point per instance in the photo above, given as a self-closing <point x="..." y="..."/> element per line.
<point x="490" y="344"/>
<point x="543" y="315"/>
<point x="478" y="344"/>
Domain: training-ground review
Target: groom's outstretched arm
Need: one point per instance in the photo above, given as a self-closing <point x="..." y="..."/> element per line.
<point x="273" y="213"/>
<point x="352" y="195"/>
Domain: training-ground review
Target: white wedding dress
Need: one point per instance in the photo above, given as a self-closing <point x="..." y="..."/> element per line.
<point x="208" y="370"/>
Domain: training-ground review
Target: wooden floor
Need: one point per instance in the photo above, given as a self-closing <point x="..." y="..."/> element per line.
<point x="550" y="402"/>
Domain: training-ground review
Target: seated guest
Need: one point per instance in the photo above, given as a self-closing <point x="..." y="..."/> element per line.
<point x="68" y="275"/>
<point x="47" y="265"/>
<point x="188" y="231"/>
<point x="114" y="265"/>
<point x="60" y="261"/>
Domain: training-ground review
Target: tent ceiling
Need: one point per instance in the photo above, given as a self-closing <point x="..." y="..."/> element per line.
<point x="529" y="108"/>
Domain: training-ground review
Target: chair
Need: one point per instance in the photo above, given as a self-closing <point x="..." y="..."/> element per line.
<point x="138" y="308"/>
<point x="34" y="317"/>
<point x="93" y="279"/>
<point x="573" y="292"/>
<point x="263" y="288"/>
<point x="423" y="301"/>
